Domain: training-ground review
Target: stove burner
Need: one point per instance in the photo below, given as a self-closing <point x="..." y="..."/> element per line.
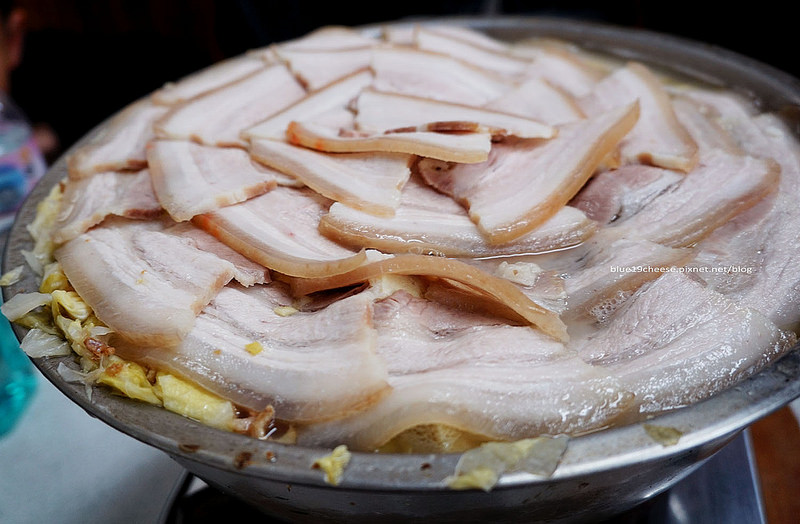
<point x="724" y="489"/>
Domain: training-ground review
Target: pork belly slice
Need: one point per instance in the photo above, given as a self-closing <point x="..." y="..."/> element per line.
<point x="146" y="285"/>
<point x="753" y="258"/>
<point x="335" y="96"/>
<point x="731" y="112"/>
<point x="524" y="184"/>
<point x="316" y="69"/>
<point x="218" y="117"/>
<point x="120" y="145"/>
<point x="471" y="36"/>
<point x="426" y="74"/>
<point x="613" y="196"/>
<point x="206" y="80"/>
<point x="380" y="111"/>
<point x="461" y="147"/>
<point x="718" y="189"/>
<point x="191" y="179"/>
<point x="279" y="230"/>
<point x="677" y="342"/>
<point x="476" y="374"/>
<point x="399" y="35"/>
<point x="308" y="366"/>
<point x="561" y="67"/>
<point x="539" y="100"/>
<point x="328" y="38"/>
<point x="500" y="62"/>
<point x="370" y="182"/>
<point x="510" y="301"/>
<point x="545" y="288"/>
<point x="612" y="269"/>
<point x="428" y="222"/>
<point x="707" y="133"/>
<point x="245" y="271"/>
<point x="88" y="201"/>
<point x="658" y="137"/>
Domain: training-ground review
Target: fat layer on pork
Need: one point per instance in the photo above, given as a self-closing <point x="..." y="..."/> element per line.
<point x="368" y="181"/>
<point x="279" y="230"/>
<point x="120" y="145"/>
<point x="430" y="222"/>
<point x="525" y="183"/>
<point x="87" y="202"/>
<point x="474" y="373"/>
<point x="190" y="179"/>
<point x="218" y="117"/>
<point x="670" y="356"/>
<point x="308" y="365"/>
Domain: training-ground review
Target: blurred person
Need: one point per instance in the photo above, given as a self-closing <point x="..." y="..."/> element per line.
<point x="21" y="162"/>
<point x="13" y="24"/>
<point x="12" y="37"/>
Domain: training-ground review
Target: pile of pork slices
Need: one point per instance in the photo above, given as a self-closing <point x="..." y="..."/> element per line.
<point x="357" y="207"/>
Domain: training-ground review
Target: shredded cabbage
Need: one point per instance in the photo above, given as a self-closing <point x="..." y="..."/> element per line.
<point x="481" y="468"/>
<point x="333" y="465"/>
<point x="41" y="231"/>
<point x="11" y="277"/>
<point x="38" y="343"/>
<point x="23" y="303"/>
<point x="72" y="303"/>
<point x="130" y="379"/>
<point x="53" y="279"/>
<point x="664" y="435"/>
<point x="190" y="401"/>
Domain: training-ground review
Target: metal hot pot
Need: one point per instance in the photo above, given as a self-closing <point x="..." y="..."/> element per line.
<point x="601" y="474"/>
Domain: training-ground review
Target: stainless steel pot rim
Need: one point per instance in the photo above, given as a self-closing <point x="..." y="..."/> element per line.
<point x="718" y="417"/>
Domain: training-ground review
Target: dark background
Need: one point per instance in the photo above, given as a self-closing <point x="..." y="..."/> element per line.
<point x="86" y="59"/>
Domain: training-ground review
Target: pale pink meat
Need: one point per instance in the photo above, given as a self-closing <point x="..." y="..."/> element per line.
<point x="279" y="230"/>
<point x="368" y="181"/>
<point x="454" y="147"/>
<point x="381" y="111"/>
<point x="613" y="269"/>
<point x="476" y="374"/>
<point x="525" y="183"/>
<point x="425" y="74"/>
<point x="672" y="356"/>
<point x="120" y="145"/>
<point x="500" y="62"/>
<point x="562" y="68"/>
<point x="504" y="296"/>
<point x="471" y="36"/>
<point x="218" y="117"/>
<point x="658" y="137"/>
<point x="312" y="365"/>
<point x="208" y="79"/>
<point x="245" y="271"/>
<point x="316" y="69"/>
<point x="539" y="100"/>
<point x="718" y="189"/>
<point x="146" y="285"/>
<point x="190" y="179"/>
<point x="330" y="99"/>
<point x="618" y="194"/>
<point x="329" y="38"/>
<point x="429" y="222"/>
<point x="705" y="131"/>
<point x="753" y="258"/>
<point x="88" y="201"/>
